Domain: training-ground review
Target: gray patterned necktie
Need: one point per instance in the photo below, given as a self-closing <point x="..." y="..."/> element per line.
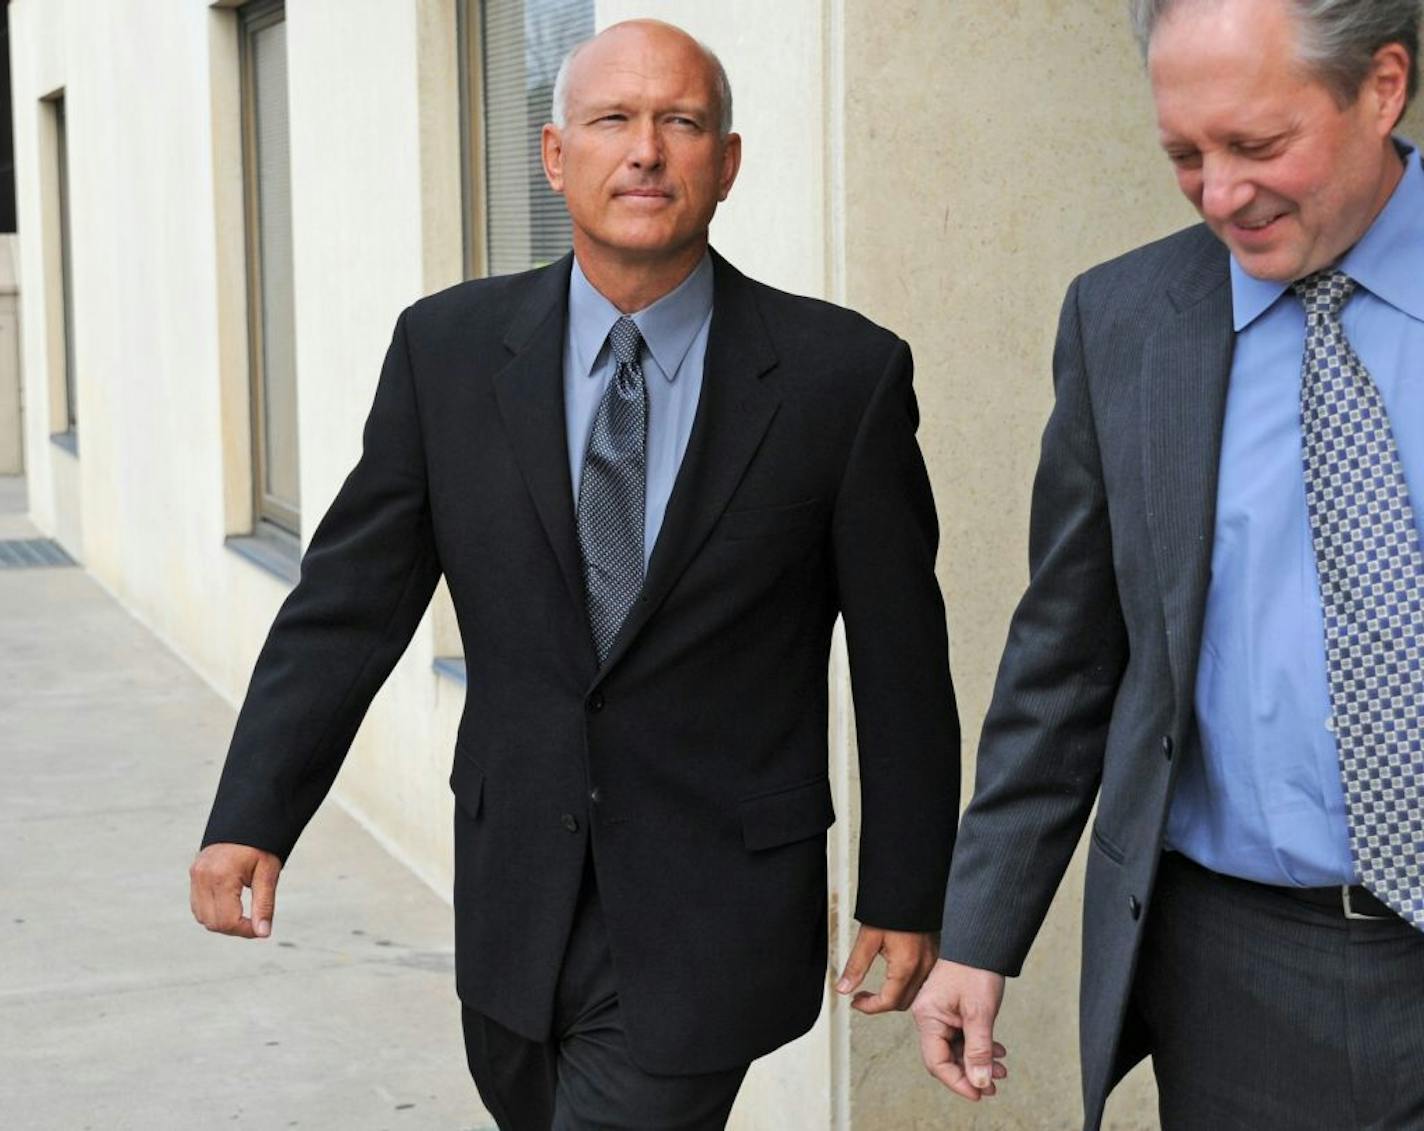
<point x="612" y="490"/>
<point x="1372" y="588"/>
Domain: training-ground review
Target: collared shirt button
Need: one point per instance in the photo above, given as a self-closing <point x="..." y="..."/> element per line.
<point x="570" y="822"/>
<point x="595" y="795"/>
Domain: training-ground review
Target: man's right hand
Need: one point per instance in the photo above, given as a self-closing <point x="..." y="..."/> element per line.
<point x="955" y="1013"/>
<point x="216" y="882"/>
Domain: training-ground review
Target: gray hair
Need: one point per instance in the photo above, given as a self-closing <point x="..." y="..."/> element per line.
<point x="1339" y="38"/>
<point x="721" y="85"/>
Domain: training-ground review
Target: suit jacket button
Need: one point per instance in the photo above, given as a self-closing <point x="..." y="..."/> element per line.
<point x="1134" y="907"/>
<point x="595" y="701"/>
<point x="570" y="822"/>
<point x="1167" y="747"/>
<point x="595" y="795"/>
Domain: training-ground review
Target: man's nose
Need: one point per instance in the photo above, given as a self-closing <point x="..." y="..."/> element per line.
<point x="1225" y="191"/>
<point x="646" y="151"/>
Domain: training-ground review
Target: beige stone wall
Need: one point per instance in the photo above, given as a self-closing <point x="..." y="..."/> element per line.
<point x="1412" y="126"/>
<point x="993" y="151"/>
<point x="992" y="154"/>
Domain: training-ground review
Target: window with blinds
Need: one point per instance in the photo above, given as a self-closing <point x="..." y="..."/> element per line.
<point x="511" y="51"/>
<point x="271" y="321"/>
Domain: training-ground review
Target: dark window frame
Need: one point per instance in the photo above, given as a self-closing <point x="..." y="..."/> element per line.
<point x="253" y="18"/>
<point x="469" y="39"/>
<point x="55" y="105"/>
<point x="522" y="224"/>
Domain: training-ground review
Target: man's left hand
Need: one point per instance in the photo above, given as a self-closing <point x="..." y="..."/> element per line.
<point x="909" y="957"/>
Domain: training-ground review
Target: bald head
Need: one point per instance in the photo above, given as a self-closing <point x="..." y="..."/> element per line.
<point x="656" y="44"/>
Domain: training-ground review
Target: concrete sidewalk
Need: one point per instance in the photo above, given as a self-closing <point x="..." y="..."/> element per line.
<point x="116" y="1010"/>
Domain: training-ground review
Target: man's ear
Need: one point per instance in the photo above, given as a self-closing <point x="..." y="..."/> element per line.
<point x="551" y="149"/>
<point x="731" y="163"/>
<point x="1388" y="85"/>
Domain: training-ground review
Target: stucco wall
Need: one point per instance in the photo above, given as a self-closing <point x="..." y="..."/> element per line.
<point x="159" y="323"/>
<point x="12" y="448"/>
<point x="40" y="55"/>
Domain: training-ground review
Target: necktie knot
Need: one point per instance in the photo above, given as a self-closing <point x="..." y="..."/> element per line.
<point x="626" y="340"/>
<point x="1324" y="293"/>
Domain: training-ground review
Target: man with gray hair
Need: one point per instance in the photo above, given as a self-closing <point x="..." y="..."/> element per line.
<point x="652" y="484"/>
<point x="1222" y="640"/>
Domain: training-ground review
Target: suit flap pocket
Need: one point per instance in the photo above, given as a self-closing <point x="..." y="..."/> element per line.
<point x="787" y="815"/>
<point x="766" y="522"/>
<point x="1107" y="846"/>
<point x="467" y="779"/>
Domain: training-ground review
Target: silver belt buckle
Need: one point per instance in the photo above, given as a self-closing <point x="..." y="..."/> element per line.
<point x="1350" y="912"/>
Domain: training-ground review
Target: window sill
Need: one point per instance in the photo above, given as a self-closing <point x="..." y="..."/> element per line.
<point x="66" y="441"/>
<point x="276" y="551"/>
<point x="451" y="668"/>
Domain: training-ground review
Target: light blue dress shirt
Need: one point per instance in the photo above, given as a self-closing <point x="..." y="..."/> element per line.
<point x="674" y="333"/>
<point x="1265" y="801"/>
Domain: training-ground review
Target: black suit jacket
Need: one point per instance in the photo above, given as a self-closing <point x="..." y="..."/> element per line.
<point x="1095" y="694"/>
<point x="693" y="764"/>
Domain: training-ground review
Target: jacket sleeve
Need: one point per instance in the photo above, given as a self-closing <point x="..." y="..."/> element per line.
<point x="366" y="579"/>
<point x="885" y="535"/>
<point x="1041" y="752"/>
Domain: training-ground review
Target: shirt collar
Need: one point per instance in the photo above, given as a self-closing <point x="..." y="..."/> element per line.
<point x="668" y="326"/>
<point x="1385" y="261"/>
<point x="1388" y="258"/>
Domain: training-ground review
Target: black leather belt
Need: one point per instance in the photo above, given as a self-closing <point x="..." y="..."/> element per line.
<point x="1349" y="901"/>
<point x="1352" y="901"/>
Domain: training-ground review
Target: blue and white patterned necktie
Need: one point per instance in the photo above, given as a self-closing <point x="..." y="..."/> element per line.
<point x="1372" y="588"/>
<point x="612" y="490"/>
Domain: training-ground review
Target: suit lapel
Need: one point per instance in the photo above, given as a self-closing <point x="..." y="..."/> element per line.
<point x="1186" y="367"/>
<point x="733" y="412"/>
<point x="530" y="393"/>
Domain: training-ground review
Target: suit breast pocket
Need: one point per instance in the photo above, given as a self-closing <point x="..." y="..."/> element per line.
<point x="769" y="522"/>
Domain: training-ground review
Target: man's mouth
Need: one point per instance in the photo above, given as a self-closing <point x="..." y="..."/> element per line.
<point x="1258" y="225"/>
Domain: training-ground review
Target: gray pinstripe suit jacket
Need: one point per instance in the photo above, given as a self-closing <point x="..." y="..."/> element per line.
<point x="1094" y="698"/>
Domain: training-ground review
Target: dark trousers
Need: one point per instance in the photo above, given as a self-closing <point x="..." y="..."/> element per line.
<point x="1268" y="1012"/>
<point x="583" y="1077"/>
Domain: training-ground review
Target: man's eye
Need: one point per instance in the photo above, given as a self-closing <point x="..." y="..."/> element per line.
<point x="1187" y="160"/>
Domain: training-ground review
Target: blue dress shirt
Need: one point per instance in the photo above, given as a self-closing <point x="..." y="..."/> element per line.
<point x="674" y="333"/>
<point x="1265" y="801"/>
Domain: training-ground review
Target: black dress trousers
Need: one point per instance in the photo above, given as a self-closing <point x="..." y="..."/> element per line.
<point x="583" y="1077"/>
<point x="1267" y="1011"/>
